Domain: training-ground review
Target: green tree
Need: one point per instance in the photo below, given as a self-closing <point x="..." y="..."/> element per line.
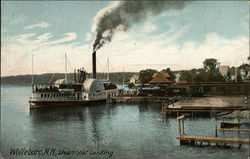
<point x="146" y="75"/>
<point x="171" y="74"/>
<point x="244" y="66"/>
<point x="187" y="75"/>
<point x="210" y="65"/>
<point x="213" y="73"/>
<point x="200" y="76"/>
<point x="131" y="85"/>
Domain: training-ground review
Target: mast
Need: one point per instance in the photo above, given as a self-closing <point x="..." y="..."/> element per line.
<point x="75" y="75"/>
<point x="123" y="77"/>
<point x="236" y="69"/>
<point x="32" y="76"/>
<point x="32" y="65"/>
<point x="236" y="74"/>
<point x="66" y="78"/>
<point x="108" y="70"/>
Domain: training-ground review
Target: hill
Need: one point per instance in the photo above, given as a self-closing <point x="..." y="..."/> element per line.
<point x="116" y="77"/>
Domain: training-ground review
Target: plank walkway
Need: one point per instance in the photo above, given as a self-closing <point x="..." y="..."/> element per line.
<point x="189" y="109"/>
<point x="221" y="129"/>
<point x="193" y="140"/>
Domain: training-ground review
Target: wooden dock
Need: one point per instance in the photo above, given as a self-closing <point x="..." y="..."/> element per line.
<point x="208" y="104"/>
<point x="193" y="140"/>
<point x="189" y="109"/>
<point x="198" y="140"/>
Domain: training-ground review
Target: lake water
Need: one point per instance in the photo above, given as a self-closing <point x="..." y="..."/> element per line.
<point x="105" y="131"/>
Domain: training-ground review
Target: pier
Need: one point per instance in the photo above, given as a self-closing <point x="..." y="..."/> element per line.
<point x="199" y="140"/>
<point x="193" y="140"/>
<point x="209" y="104"/>
<point x="144" y="99"/>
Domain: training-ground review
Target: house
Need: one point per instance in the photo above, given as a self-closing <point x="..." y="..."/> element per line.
<point x="160" y="78"/>
<point x="242" y="73"/>
<point x="233" y="71"/>
<point x="248" y="77"/>
<point x="135" y="80"/>
<point x="224" y="70"/>
<point x="245" y="74"/>
<point x="177" y="75"/>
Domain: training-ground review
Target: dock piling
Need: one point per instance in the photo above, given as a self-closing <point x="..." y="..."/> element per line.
<point x="216" y="131"/>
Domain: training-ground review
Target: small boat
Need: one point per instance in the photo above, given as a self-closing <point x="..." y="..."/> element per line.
<point x="229" y="125"/>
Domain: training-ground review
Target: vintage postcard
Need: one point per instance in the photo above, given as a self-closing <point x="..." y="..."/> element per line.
<point x="129" y="79"/>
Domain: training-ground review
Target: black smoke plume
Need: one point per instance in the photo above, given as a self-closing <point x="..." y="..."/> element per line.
<point x="120" y="15"/>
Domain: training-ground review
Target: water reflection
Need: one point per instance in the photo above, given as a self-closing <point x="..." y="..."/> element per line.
<point x="94" y="116"/>
<point x="57" y="114"/>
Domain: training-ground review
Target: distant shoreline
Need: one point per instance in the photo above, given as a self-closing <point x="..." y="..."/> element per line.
<point x="115" y="77"/>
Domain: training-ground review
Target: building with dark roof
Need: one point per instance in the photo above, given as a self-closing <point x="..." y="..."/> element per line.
<point x="160" y="78"/>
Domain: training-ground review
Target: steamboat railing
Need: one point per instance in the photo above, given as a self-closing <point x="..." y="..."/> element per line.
<point x="56" y="99"/>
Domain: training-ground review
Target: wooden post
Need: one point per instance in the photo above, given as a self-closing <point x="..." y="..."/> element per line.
<point x="192" y="143"/>
<point x="181" y="124"/>
<point x="179" y="127"/>
<point x="216" y="131"/>
<point x="238" y="127"/>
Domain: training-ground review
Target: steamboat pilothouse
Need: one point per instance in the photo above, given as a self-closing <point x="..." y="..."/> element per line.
<point x="80" y="92"/>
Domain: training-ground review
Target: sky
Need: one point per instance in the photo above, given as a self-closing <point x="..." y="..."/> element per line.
<point x="179" y="39"/>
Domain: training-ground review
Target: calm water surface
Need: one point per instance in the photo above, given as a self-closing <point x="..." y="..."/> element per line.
<point x="129" y="131"/>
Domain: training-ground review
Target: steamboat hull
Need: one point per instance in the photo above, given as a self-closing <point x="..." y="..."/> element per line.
<point x="48" y="104"/>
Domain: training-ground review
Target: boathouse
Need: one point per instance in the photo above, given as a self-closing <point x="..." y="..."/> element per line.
<point x="160" y="79"/>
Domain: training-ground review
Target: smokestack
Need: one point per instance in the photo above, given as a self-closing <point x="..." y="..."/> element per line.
<point x="94" y="64"/>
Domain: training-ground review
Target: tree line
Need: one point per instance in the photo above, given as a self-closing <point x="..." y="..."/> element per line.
<point x="209" y="73"/>
<point x="115" y="77"/>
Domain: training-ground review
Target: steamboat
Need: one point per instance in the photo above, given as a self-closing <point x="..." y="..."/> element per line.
<point x="80" y="92"/>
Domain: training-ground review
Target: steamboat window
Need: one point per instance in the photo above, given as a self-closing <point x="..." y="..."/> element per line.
<point x="42" y="95"/>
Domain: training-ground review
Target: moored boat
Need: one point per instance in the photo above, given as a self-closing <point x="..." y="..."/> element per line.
<point x="82" y="92"/>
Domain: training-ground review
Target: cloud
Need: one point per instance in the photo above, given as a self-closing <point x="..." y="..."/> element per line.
<point x="47" y="58"/>
<point x="67" y="37"/>
<point x="44" y="37"/>
<point x="149" y="27"/>
<point x="38" y="25"/>
<point x="138" y="51"/>
<point x="88" y="37"/>
<point x="133" y="50"/>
